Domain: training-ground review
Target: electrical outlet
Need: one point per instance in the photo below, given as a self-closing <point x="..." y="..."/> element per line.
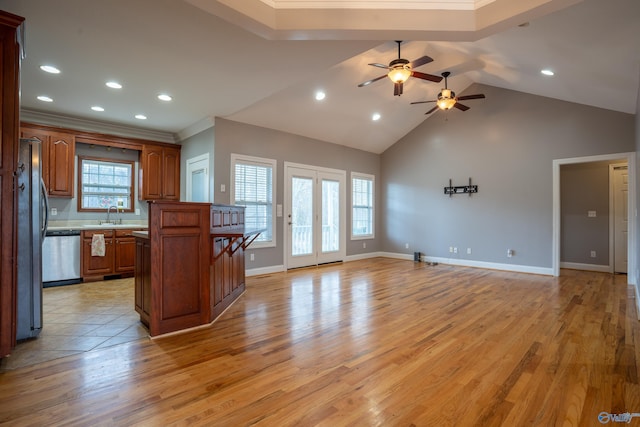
<point x="137" y="211"/>
<point x="406" y="246"/>
<point x="54" y="211"/>
<point x="593" y="254"/>
<point x="510" y="253"/>
<point x="252" y="257"/>
<point x="455" y="250"/>
<point x="468" y="251"/>
<point x="450" y="249"/>
<point x="223" y="188"/>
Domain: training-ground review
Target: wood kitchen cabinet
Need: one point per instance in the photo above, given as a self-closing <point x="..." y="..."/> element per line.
<point x="119" y="258"/>
<point x="124" y="251"/>
<point x="229" y="238"/>
<point x="174" y="294"/>
<point x="159" y="173"/>
<point x="58" y="153"/>
<point x="11" y="32"/>
<point x="96" y="267"/>
<point x="143" y="278"/>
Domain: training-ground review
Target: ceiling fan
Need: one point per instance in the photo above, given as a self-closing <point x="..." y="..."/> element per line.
<point x="400" y="70"/>
<point x="447" y="98"/>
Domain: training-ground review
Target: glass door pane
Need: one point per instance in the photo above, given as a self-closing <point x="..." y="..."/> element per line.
<point x="301" y="216"/>
<point x="330" y="215"/>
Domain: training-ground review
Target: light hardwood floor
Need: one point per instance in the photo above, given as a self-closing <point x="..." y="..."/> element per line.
<point x="377" y="342"/>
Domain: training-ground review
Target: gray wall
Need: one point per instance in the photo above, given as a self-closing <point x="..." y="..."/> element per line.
<point x="637" y="150"/>
<point x="233" y="137"/>
<point x="68" y="208"/>
<point x="197" y="145"/>
<point x="506" y="143"/>
<point x="584" y="187"/>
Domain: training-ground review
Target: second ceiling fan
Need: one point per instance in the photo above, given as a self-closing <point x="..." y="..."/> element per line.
<point x="400" y="70"/>
<point x="447" y="98"/>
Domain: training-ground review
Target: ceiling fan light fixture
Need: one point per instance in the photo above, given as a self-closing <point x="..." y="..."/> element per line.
<point x="399" y="70"/>
<point x="446" y="99"/>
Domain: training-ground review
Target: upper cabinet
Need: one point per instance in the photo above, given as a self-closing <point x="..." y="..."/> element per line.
<point x="58" y="152"/>
<point x="160" y="173"/>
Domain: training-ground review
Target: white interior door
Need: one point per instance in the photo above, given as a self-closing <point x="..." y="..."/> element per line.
<point x="198" y="179"/>
<point x="315" y="203"/>
<point x="620" y="217"/>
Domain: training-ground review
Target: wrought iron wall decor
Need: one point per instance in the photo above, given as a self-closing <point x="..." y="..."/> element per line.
<point x="461" y="189"/>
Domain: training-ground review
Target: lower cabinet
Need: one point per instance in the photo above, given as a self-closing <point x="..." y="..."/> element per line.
<point x="96" y="267"/>
<point x="143" y="279"/>
<point x="124" y="252"/>
<point x="119" y="257"/>
<point x="226" y="275"/>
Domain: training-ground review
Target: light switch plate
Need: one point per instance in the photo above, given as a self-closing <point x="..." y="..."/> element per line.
<point x="591" y="214"/>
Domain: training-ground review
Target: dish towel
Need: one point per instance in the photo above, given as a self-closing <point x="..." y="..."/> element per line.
<point x="97" y="245"/>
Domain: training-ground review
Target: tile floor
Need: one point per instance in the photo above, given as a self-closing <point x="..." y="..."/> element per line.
<point x="79" y="318"/>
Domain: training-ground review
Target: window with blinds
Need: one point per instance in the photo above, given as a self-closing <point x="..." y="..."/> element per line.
<point x="362" y="207"/>
<point x="104" y="184"/>
<point x="253" y="182"/>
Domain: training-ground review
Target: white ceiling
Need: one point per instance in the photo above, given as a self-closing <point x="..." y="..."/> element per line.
<point x="214" y="68"/>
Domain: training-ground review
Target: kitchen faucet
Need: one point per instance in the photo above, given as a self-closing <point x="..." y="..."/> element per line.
<point x="108" y="212"/>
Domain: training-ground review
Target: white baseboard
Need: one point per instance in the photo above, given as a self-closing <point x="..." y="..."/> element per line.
<point x="363" y="256"/>
<point x="477" y="264"/>
<point x="586" y="267"/>
<point x="451" y="261"/>
<point x="264" y="270"/>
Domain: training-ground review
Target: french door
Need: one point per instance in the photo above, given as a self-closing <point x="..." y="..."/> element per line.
<point x="315" y="215"/>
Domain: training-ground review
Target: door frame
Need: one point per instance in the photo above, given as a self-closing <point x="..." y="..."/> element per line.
<point x="612" y="236"/>
<point x="287" y="199"/>
<point x="630" y="158"/>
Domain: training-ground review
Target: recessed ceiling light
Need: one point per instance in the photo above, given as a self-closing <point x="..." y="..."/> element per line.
<point x="547" y="72"/>
<point x="164" y="97"/>
<point x="114" y="85"/>
<point x="97" y="108"/>
<point x="141" y="117"/>
<point x="375" y="117"/>
<point x="45" y="98"/>
<point x="320" y="95"/>
<point x="50" y="69"/>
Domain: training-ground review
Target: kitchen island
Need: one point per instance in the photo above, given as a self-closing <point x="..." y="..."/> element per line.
<point x="190" y="264"/>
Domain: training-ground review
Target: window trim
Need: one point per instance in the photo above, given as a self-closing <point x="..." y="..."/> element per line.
<point x="131" y="163"/>
<point x="372" y="178"/>
<point x="258" y="161"/>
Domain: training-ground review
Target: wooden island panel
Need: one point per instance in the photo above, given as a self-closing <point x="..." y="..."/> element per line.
<point x="227" y="274"/>
<point x="190" y="266"/>
<point x="172" y="280"/>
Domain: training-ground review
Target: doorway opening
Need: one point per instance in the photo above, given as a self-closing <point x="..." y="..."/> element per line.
<point x="629" y="160"/>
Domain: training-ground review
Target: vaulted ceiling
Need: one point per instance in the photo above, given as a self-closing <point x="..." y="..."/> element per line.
<point x="262" y="61"/>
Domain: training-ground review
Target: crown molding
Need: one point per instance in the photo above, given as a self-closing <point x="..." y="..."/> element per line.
<point x="39" y="117"/>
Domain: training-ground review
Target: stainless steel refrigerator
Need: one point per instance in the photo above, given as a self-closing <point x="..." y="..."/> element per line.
<point x="32" y="225"/>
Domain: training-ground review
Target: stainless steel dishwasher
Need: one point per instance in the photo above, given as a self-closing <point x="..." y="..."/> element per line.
<point x="61" y="258"/>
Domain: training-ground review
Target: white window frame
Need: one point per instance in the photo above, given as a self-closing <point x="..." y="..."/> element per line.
<point x="257" y="161"/>
<point x="372" y="178"/>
